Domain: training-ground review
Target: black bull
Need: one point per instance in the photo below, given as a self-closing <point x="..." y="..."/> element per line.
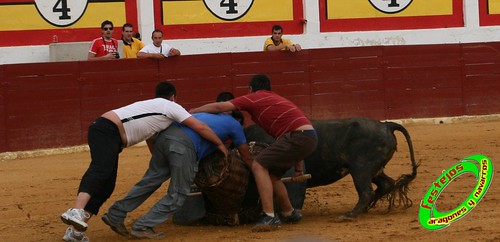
<point x="358" y="146"/>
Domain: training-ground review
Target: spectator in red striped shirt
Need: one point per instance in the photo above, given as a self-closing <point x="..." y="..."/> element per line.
<point x="104" y="47"/>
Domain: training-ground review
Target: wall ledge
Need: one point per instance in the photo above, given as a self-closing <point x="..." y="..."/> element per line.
<point x="19" y="155"/>
<point x="447" y="120"/>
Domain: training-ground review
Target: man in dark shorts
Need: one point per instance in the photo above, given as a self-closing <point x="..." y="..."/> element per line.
<point x="295" y="140"/>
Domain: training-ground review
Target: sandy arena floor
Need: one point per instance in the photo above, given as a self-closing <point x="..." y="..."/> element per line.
<point x="35" y="191"/>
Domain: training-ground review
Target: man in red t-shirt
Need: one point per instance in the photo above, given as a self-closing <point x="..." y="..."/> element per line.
<point x="295" y="140"/>
<point x="104" y="47"/>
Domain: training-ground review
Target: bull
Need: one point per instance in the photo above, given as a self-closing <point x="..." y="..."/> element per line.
<point x="361" y="147"/>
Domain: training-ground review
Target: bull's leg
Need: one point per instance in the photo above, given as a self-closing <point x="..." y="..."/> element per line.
<point x="363" y="183"/>
<point x="385" y="184"/>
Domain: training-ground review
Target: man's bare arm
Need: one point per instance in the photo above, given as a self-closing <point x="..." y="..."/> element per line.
<point x="150" y="55"/>
<point x="245" y="154"/>
<point x="276" y="47"/>
<point x="151" y="144"/>
<point x="217" y="107"/>
<point x="109" y="56"/>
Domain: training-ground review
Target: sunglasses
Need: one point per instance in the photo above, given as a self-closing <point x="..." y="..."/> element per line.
<point x="105" y="29"/>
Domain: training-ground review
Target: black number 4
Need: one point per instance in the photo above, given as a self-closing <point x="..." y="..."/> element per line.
<point x="394" y="3"/>
<point x="61" y="6"/>
<point x="231" y="6"/>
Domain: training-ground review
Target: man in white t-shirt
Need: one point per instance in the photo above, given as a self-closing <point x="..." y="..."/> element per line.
<point x="157" y="50"/>
<point x="118" y="129"/>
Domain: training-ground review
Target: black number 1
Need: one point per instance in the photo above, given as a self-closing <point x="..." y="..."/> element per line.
<point x="231" y="6"/>
<point x="61" y="6"/>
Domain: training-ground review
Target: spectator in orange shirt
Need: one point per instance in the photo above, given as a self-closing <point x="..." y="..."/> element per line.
<point x="131" y="45"/>
<point x="276" y="42"/>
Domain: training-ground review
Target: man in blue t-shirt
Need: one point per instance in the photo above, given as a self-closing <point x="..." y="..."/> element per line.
<point x="177" y="152"/>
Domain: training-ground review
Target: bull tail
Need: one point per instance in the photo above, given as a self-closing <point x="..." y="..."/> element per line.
<point x="399" y="194"/>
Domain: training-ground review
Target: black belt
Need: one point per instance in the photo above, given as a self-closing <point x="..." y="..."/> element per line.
<point x="140" y="116"/>
<point x="311" y="132"/>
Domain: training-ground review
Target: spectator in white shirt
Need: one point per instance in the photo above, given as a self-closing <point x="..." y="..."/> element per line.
<point x="157" y="50"/>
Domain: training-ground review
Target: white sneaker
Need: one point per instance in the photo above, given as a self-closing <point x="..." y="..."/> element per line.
<point x="73" y="236"/>
<point x="76" y="217"/>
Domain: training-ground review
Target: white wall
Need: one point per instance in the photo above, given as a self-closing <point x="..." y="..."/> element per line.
<point x="311" y="39"/>
<point x="24" y="54"/>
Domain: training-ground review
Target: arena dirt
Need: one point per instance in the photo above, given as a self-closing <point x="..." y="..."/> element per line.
<point x="35" y="191"/>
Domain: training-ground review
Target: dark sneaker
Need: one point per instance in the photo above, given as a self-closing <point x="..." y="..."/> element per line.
<point x="119" y="228"/>
<point x="148" y="233"/>
<point x="295" y="217"/>
<point x="267" y="223"/>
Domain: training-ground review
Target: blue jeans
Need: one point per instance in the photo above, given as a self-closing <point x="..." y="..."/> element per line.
<point x="174" y="157"/>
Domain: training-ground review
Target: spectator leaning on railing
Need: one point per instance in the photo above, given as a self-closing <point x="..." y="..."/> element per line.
<point x="276" y="42"/>
<point x="158" y="49"/>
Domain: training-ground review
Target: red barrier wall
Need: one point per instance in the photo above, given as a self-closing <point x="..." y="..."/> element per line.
<point x="46" y="105"/>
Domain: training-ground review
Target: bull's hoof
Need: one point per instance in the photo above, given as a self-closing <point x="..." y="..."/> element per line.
<point x="345" y="218"/>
